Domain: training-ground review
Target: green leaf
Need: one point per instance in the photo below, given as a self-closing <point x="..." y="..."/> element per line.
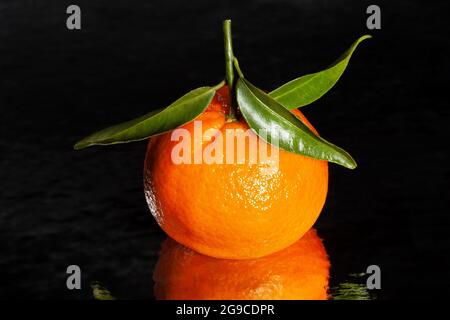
<point x="264" y="114"/>
<point x="307" y="89"/>
<point x="180" y="112"/>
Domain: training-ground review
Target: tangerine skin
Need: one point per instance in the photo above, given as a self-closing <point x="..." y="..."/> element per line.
<point x="233" y="211"/>
<point x="299" y="272"/>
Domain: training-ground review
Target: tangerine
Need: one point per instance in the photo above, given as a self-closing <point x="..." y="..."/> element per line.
<point x="238" y="210"/>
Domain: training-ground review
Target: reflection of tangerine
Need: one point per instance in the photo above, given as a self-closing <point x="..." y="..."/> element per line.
<point x="297" y="272"/>
<point x="233" y="211"/>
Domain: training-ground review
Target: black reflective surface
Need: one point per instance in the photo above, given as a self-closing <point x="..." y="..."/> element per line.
<point x="61" y="207"/>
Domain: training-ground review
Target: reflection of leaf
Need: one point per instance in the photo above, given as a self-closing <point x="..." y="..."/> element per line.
<point x="350" y="291"/>
<point x="100" y="292"/>
<point x="357" y="275"/>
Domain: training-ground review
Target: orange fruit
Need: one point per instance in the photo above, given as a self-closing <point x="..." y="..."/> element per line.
<point x="233" y="211"/>
<point x="299" y="272"/>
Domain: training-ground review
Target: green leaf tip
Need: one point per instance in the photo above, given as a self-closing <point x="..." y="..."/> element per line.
<point x="308" y="88"/>
<point x="156" y="122"/>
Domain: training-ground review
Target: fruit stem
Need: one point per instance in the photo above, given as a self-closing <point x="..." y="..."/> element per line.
<point x="229" y="70"/>
<point x="228" y="52"/>
<point x="238" y="69"/>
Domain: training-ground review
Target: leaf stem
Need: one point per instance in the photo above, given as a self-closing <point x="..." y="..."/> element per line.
<point x="238" y="69"/>
<point x="229" y="70"/>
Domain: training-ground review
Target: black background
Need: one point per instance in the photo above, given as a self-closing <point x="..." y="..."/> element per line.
<point x="60" y="207"/>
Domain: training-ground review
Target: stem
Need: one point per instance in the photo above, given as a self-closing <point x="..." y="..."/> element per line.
<point x="229" y="70"/>
<point x="228" y="53"/>
<point x="238" y="69"/>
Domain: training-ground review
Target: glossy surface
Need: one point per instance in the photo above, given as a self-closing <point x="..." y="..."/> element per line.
<point x="61" y="207"/>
